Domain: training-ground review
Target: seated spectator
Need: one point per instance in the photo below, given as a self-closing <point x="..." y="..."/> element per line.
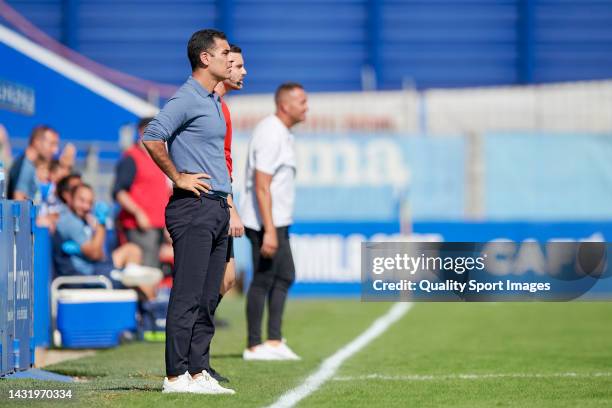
<point x="44" y="217"/>
<point x="23" y="183"/>
<point x="79" y="246"/>
<point x="43" y="180"/>
<point x="65" y="163"/>
<point x="51" y="202"/>
<point x="142" y="190"/>
<point x="5" y="148"/>
<point x="43" y="145"/>
<point x="64" y="188"/>
<point x="56" y="173"/>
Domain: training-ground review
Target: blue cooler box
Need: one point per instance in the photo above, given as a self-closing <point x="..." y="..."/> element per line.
<point x="95" y="318"/>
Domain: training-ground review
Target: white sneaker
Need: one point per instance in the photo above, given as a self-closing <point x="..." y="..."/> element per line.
<point x="283" y="351"/>
<point x="260" y="353"/>
<point x="181" y="384"/>
<point x="205" y="384"/>
<point x="138" y="275"/>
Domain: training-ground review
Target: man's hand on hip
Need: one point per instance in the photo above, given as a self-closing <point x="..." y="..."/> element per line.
<point x="192" y="182"/>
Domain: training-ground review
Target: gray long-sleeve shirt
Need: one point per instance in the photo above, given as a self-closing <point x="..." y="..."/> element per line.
<point x="193" y="124"/>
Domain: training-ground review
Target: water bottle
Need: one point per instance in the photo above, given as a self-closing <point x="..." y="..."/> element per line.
<point x="2" y="181"/>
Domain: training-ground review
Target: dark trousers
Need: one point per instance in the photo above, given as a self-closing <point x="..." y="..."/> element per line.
<point x="272" y="278"/>
<point x="198" y="227"/>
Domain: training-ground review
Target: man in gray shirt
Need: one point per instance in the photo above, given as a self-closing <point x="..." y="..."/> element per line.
<point x="197" y="216"/>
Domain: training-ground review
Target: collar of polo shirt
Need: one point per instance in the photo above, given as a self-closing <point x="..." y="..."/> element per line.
<point x="202" y="91"/>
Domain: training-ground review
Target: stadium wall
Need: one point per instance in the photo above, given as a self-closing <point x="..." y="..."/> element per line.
<point x="387" y="187"/>
<point x="539" y="187"/>
<point x="565" y="107"/>
<point x="355" y="44"/>
<point x="328" y="264"/>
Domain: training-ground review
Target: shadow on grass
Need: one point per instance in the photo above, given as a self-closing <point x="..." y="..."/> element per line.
<point x="227" y="356"/>
<point x="84" y="374"/>
<point x="134" y="388"/>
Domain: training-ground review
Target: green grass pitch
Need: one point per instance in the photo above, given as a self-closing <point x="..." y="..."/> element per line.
<point x="452" y="354"/>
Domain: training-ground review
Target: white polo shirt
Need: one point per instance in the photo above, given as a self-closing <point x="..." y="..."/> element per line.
<point x="270" y="151"/>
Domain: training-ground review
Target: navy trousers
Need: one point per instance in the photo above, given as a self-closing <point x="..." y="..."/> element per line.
<point x="199" y="231"/>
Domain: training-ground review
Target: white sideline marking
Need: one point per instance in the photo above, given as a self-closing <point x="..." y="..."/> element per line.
<point x="417" y="377"/>
<point x="331" y="364"/>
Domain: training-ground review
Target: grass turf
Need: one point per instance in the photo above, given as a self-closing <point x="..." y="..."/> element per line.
<point x="439" y="340"/>
<point x="432" y="339"/>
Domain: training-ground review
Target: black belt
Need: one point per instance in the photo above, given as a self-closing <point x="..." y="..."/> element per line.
<point x="216" y="195"/>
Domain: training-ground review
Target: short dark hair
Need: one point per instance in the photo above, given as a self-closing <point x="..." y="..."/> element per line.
<point x="235" y="49"/>
<point x="54" y="165"/>
<point x="285" y="87"/>
<point x="142" y="123"/>
<point x="80" y="186"/>
<point x="39" y="131"/>
<point x="199" y="42"/>
<point x="62" y="186"/>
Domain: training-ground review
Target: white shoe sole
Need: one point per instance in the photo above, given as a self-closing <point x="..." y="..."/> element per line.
<point x="284" y="356"/>
<point x="281" y="357"/>
<point x="260" y="358"/>
<point x="213" y="392"/>
<point x="208" y="392"/>
<point x="165" y="391"/>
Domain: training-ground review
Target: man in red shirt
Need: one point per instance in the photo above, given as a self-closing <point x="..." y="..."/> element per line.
<point x="142" y="191"/>
<point x="235" y="82"/>
<point x="236" y="229"/>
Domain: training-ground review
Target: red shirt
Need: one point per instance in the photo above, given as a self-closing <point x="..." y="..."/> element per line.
<point x="228" y="137"/>
<point x="149" y="190"/>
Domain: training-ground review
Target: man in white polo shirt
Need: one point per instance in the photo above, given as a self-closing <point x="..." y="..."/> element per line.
<point x="267" y="213"/>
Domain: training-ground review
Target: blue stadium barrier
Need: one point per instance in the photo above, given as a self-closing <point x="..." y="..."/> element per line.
<point x="42" y="283"/>
<point x="540" y="231"/>
<point x="5" y="244"/>
<point x="328" y="284"/>
<point x="16" y="287"/>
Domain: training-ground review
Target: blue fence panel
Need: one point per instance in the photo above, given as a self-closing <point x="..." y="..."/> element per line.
<point x="5" y="251"/>
<point x="336" y="248"/>
<point x="366" y="177"/>
<point x="9" y="294"/>
<point x="24" y="288"/>
<point x="540" y="231"/>
<point x="42" y="283"/>
<point x="548" y="177"/>
<point x="17" y="286"/>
